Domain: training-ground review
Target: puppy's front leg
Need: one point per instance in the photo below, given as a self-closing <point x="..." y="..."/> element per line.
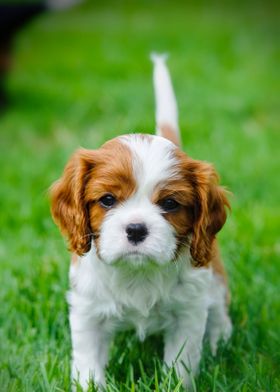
<point x="90" y="342"/>
<point x="183" y="343"/>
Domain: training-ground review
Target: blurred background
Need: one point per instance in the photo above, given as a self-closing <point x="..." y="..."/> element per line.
<point x="82" y="75"/>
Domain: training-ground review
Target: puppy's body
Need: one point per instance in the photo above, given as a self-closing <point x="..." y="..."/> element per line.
<point x="141" y="218"/>
<point x="175" y="300"/>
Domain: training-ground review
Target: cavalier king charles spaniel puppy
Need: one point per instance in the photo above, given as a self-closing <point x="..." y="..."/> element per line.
<point x="141" y="218"/>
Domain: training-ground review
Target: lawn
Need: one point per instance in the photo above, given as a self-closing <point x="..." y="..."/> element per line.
<point x="83" y="76"/>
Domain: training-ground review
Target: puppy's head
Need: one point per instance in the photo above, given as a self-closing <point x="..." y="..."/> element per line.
<point x="139" y="199"/>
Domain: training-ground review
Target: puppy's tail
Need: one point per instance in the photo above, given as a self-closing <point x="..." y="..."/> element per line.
<point x="166" y="105"/>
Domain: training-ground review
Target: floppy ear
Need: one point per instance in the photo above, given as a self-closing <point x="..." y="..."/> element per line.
<point x="209" y="211"/>
<point x="68" y="207"/>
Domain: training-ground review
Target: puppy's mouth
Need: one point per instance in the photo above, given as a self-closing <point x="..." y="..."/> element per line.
<point x="134" y="252"/>
<point x="134" y="257"/>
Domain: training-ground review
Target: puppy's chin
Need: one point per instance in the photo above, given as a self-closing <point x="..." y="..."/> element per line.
<point x="135" y="259"/>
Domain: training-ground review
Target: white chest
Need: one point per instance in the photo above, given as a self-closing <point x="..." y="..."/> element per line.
<point x="146" y="299"/>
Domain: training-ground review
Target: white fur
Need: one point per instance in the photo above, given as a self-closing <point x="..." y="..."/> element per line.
<point x="153" y="160"/>
<point x="123" y="286"/>
<point x="148" y="173"/>
<point x="166" y="105"/>
<point x="174" y="299"/>
<point x="138" y="286"/>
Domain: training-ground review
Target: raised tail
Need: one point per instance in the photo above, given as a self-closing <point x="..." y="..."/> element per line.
<point x="166" y="105"/>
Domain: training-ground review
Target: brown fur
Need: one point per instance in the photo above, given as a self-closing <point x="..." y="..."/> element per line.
<point x="169" y="133"/>
<point x="217" y="265"/>
<point x="183" y="218"/>
<point x="74" y="258"/>
<point x="112" y="174"/>
<point x="67" y="201"/>
<point x="205" y="203"/>
<point x="202" y="207"/>
<point x="216" y="262"/>
<point x="88" y="175"/>
<point x="202" y="210"/>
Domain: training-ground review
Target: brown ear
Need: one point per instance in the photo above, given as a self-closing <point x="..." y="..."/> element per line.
<point x="67" y="201"/>
<point x="209" y="212"/>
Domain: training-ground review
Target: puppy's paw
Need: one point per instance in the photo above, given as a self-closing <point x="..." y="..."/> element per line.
<point x="221" y="331"/>
<point x="86" y="383"/>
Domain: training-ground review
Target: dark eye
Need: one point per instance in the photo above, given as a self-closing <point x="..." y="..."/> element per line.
<point x="107" y="201"/>
<point x="169" y="205"/>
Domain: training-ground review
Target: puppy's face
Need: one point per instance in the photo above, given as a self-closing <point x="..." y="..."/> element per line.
<point x="139" y="199"/>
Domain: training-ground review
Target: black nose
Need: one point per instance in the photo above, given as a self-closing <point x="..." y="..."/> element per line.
<point x="136" y="232"/>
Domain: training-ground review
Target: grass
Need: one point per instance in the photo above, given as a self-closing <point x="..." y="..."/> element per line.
<point x="82" y="77"/>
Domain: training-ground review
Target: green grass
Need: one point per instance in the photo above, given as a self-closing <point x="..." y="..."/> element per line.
<point x="82" y="77"/>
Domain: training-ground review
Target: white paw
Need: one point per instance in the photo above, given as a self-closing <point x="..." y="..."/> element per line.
<point x="219" y="331"/>
<point x="84" y="379"/>
<point x="187" y="376"/>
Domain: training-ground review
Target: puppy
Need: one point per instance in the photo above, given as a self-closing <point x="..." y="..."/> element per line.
<point x="141" y="218"/>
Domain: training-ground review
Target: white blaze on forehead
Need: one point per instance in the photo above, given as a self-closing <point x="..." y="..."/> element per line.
<point x="153" y="160"/>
